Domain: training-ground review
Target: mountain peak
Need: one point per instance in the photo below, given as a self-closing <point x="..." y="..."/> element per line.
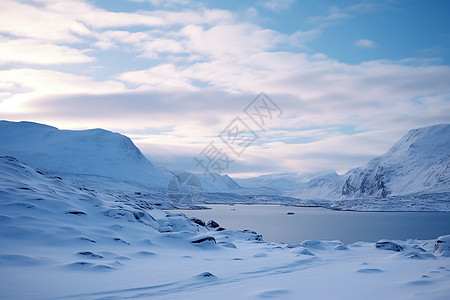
<point x="419" y="162"/>
<point x="433" y="139"/>
<point x="94" y="152"/>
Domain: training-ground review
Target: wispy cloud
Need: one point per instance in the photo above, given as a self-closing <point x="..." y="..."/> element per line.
<point x="165" y="3"/>
<point x="36" y="52"/>
<point x="365" y="44"/>
<point x="278" y="5"/>
<point x="337" y="14"/>
<point x="25" y="20"/>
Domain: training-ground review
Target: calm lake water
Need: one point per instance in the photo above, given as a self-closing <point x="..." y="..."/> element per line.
<point x="306" y="223"/>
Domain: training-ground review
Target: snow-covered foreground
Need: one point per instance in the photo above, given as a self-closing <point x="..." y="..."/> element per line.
<point x="171" y="268"/>
<point x="60" y="241"/>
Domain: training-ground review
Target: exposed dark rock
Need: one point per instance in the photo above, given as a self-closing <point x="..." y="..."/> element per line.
<point x="90" y="254"/>
<point x="205" y="239"/>
<point x="121" y="241"/>
<point x="198" y="221"/>
<point x="87" y="239"/>
<point x="366" y="183"/>
<point x="212" y="224"/>
<point x="139" y="215"/>
<point x="442" y="246"/>
<point x="389" y="245"/>
<point x="206" y="275"/>
<point x="252" y="235"/>
<point x="76" y="213"/>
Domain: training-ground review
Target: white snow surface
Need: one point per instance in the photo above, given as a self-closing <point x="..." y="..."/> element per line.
<point x="59" y="240"/>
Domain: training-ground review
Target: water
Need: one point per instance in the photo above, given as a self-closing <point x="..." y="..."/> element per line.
<point x="276" y="225"/>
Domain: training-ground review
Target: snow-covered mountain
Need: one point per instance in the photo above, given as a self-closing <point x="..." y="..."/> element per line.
<point x="283" y="181"/>
<point x="419" y="163"/>
<point x="94" y="152"/>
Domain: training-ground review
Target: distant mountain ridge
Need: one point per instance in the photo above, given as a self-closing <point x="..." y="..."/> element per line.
<point x="419" y="163"/>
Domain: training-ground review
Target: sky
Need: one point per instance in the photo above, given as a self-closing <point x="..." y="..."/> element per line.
<point x="342" y="80"/>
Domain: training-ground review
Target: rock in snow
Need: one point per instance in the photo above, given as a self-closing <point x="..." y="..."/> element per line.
<point x="206" y="241"/>
<point x="388" y="245"/>
<point x="212" y="224"/>
<point x="442" y="246"/>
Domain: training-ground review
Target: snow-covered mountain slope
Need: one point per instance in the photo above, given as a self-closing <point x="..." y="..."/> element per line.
<point x="94" y="152"/>
<point x="104" y="154"/>
<point x="278" y="182"/>
<point x="321" y="187"/>
<point x="418" y="163"/>
<point x="63" y="241"/>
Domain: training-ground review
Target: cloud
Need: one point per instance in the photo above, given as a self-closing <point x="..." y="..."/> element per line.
<point x="234" y="40"/>
<point x="184" y="122"/>
<point x="329" y="19"/>
<point x="26" y="85"/>
<point x="432" y="51"/>
<point x="193" y="70"/>
<point x="162" y="76"/>
<point x="166" y="3"/>
<point x="97" y="18"/>
<point x="35" y="52"/>
<point x="226" y="40"/>
<point x="337" y="14"/>
<point x="365" y="44"/>
<point x="77" y="21"/>
<point x="278" y="5"/>
<point x="29" y="21"/>
<point x="149" y="44"/>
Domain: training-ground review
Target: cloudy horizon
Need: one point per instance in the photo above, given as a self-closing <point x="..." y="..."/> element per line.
<point x="350" y="78"/>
